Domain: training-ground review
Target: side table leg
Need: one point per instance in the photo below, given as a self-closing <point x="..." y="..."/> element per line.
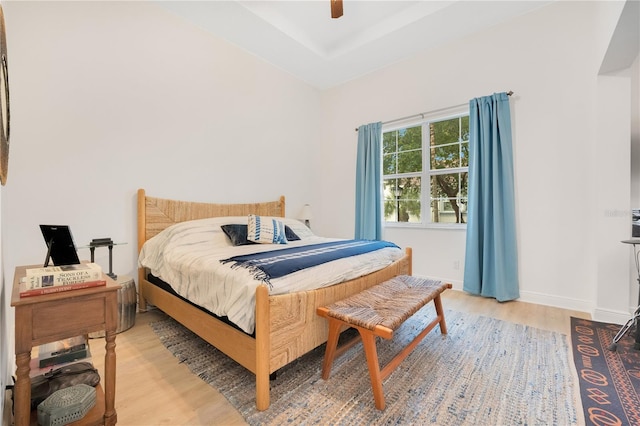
<point x="110" y="417"/>
<point x="636" y="316"/>
<point x="22" y="389"/>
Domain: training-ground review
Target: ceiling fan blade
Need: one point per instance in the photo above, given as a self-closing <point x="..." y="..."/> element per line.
<point x="336" y="8"/>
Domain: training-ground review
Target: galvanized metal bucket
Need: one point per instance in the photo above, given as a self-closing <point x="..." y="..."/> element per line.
<point x="127" y="306"/>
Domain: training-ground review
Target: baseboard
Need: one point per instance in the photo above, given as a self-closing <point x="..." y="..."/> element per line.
<point x="570" y="303"/>
<point x="573" y="304"/>
<point x="615" y="317"/>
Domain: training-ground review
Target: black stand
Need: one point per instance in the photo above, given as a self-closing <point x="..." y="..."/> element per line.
<point x="103" y="242"/>
<point x="635" y="319"/>
<point x="48" y="258"/>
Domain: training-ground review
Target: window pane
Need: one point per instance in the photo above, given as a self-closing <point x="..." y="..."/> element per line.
<point x="444" y="210"/>
<point x="464" y="154"/>
<point x="448" y="197"/>
<point x="389" y="186"/>
<point x="410" y="192"/>
<point x="390" y="204"/>
<point x="444" y="132"/>
<point x="389" y="164"/>
<point x="464" y="128"/>
<point x="448" y="185"/>
<point x="410" y="188"/>
<point x="402" y="199"/>
<point x="389" y="141"/>
<point x="409" y="211"/>
<point x="410" y="161"/>
<point x="464" y="185"/>
<point x="390" y="212"/>
<point x="445" y="157"/>
<point x="410" y="138"/>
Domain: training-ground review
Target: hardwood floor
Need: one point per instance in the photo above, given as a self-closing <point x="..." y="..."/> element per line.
<point x="152" y="388"/>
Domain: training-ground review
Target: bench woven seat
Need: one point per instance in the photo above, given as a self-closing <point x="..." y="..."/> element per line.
<point x="378" y="311"/>
<point x="388" y="304"/>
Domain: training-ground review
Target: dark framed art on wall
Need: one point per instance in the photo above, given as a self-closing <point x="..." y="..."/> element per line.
<point x="4" y="103"/>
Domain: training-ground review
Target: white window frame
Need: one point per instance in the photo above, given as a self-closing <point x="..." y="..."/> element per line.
<point x="426" y="173"/>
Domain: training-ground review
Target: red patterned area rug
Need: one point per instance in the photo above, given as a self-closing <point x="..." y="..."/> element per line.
<point x="609" y="380"/>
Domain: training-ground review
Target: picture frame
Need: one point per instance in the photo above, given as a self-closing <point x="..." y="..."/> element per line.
<point x="60" y="246"/>
<point x="5" y="115"/>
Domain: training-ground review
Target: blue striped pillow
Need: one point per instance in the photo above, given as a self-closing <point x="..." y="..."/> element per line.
<point x="265" y="230"/>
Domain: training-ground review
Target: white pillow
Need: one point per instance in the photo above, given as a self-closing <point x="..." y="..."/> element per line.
<point x="265" y="230"/>
<point x="298" y="227"/>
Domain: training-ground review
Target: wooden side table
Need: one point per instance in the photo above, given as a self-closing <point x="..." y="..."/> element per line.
<point x="52" y="317"/>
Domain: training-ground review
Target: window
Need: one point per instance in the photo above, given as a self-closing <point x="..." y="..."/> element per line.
<point x="425" y="168"/>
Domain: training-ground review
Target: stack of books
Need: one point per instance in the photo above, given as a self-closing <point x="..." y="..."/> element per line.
<point x="60" y="353"/>
<point x="55" y="279"/>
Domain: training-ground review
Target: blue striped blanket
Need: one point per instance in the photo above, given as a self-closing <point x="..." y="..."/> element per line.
<point x="278" y="263"/>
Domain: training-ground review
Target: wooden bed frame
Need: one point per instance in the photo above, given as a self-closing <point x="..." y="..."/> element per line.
<point x="287" y="326"/>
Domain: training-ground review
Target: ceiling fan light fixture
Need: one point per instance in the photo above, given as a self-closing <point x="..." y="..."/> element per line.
<point x="336" y="8"/>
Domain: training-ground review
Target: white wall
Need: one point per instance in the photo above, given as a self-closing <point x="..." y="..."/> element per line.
<point x="5" y="335"/>
<point x="109" y="97"/>
<point x="612" y="167"/>
<point x="634" y="73"/>
<point x="550" y="58"/>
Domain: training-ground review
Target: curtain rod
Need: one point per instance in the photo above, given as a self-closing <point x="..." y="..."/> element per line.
<point x="509" y="93"/>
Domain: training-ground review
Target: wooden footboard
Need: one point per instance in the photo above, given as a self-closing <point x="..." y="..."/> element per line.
<point x="296" y="328"/>
<point x="287" y="326"/>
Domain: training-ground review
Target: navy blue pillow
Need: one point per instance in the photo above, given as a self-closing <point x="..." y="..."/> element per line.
<point x="237" y="233"/>
<point x="291" y="236"/>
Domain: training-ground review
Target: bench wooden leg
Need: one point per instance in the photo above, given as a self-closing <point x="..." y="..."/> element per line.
<point x="332" y="343"/>
<point x="440" y="312"/>
<point x="369" y="343"/>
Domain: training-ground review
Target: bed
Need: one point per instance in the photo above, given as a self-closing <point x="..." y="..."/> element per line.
<point x="286" y="325"/>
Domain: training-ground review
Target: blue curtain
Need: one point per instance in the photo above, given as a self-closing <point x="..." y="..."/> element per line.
<point x="368" y="184"/>
<point x="491" y="260"/>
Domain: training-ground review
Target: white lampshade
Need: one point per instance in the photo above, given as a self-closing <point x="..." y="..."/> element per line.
<point x="305" y="213"/>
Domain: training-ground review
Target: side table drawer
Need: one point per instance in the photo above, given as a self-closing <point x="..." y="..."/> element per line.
<point x="78" y="315"/>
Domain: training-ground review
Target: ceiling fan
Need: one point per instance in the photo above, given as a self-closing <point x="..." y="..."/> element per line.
<point x="336" y="8"/>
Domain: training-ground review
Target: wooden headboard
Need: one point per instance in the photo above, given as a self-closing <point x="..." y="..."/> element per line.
<point x="156" y="214"/>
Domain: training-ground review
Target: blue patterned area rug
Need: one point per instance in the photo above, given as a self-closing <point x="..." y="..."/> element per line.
<point x="484" y="372"/>
<point x="609" y="380"/>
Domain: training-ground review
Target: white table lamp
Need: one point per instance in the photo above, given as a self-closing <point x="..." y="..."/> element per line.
<point x="306" y="215"/>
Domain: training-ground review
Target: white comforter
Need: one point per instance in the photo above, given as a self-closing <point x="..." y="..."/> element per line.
<point x="187" y="255"/>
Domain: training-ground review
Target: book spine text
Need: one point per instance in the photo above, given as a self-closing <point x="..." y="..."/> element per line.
<point x="61" y="288"/>
<point x="38" y="281"/>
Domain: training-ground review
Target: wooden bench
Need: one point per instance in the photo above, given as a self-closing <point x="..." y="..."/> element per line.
<point x="378" y="311"/>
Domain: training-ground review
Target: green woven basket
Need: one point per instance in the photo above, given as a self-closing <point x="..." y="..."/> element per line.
<point x="66" y="405"/>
